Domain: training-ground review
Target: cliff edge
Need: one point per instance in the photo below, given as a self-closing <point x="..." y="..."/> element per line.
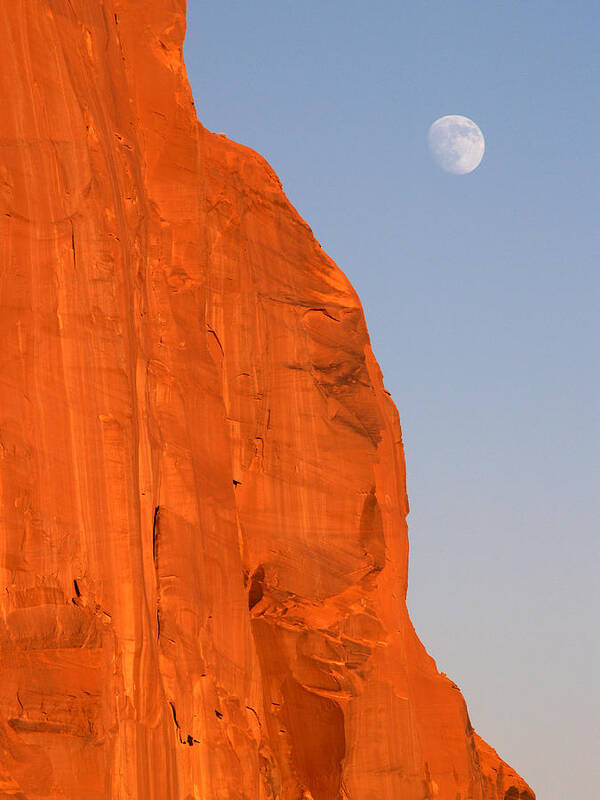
<point x="203" y="546"/>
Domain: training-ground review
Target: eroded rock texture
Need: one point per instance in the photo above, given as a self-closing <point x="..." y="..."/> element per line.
<point x="203" y="549"/>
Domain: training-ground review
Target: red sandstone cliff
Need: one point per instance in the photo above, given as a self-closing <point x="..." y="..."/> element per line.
<point x="203" y="549"/>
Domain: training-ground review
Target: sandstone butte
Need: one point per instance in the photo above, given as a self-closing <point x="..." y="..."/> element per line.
<point x="203" y="547"/>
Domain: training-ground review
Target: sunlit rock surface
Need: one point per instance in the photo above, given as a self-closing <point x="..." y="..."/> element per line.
<point x="203" y="548"/>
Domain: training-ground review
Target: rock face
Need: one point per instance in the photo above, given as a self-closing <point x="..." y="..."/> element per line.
<point x="203" y="548"/>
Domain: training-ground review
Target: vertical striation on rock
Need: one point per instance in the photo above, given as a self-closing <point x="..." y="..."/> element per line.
<point x="203" y="546"/>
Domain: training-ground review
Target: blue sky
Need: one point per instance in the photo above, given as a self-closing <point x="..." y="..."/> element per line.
<point x="482" y="296"/>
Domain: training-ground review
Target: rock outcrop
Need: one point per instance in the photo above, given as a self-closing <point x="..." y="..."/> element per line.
<point x="203" y="547"/>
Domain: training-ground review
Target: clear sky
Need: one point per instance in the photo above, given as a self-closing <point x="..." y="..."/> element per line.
<point x="482" y="296"/>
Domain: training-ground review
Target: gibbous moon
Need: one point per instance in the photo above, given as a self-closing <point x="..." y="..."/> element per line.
<point x="456" y="143"/>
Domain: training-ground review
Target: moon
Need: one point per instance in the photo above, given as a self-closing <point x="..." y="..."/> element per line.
<point x="456" y="143"/>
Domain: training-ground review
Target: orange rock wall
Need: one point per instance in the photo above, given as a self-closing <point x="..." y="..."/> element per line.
<point x="203" y="546"/>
